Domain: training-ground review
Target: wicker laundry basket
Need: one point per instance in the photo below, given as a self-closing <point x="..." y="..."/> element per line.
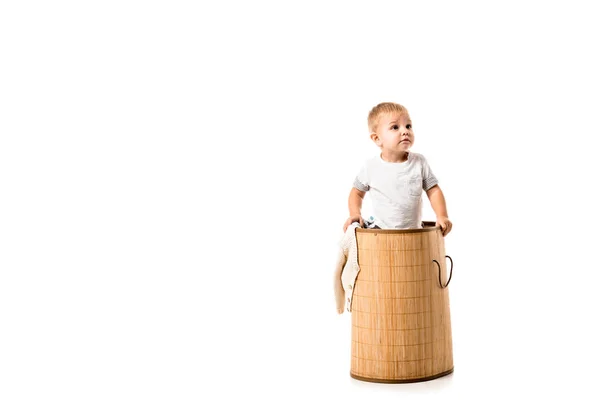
<point x="401" y="329"/>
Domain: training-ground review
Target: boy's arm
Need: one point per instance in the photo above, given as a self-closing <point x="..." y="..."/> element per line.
<point x="438" y="203"/>
<point x="355" y="200"/>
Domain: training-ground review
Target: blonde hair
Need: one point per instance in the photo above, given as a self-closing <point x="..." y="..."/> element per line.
<point x="383" y="108"/>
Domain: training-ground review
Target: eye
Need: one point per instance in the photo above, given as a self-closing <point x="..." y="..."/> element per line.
<point x="409" y="126"/>
<point x="395" y="127"/>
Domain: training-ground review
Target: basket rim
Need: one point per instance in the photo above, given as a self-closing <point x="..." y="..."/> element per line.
<point x="428" y="226"/>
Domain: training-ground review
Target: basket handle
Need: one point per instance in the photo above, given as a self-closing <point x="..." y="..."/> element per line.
<point x="440" y="272"/>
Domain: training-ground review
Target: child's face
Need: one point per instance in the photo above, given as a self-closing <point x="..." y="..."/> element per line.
<point x="394" y="133"/>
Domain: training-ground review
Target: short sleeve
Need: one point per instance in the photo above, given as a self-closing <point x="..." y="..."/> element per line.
<point x="429" y="179"/>
<point x="361" y="182"/>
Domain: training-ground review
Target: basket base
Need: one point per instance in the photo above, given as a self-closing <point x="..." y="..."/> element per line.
<point x="427" y="378"/>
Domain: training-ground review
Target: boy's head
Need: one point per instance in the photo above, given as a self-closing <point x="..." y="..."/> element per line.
<point x="381" y="109"/>
<point x="391" y="128"/>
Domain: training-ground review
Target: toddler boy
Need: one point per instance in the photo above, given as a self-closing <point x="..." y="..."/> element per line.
<point x="396" y="177"/>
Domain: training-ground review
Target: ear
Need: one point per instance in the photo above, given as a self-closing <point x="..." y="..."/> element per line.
<point x="375" y="138"/>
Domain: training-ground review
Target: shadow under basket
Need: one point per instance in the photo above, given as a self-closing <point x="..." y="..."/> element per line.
<point x="401" y="329"/>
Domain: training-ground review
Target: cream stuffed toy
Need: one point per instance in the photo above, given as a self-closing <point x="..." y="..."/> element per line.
<point x="346" y="269"/>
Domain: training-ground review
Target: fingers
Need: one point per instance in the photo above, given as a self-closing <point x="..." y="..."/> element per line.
<point x="442" y="226"/>
<point x="351" y="220"/>
<point x="446" y="228"/>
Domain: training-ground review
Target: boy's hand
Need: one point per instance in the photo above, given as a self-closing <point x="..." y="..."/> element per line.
<point x="445" y="223"/>
<point x="356" y="218"/>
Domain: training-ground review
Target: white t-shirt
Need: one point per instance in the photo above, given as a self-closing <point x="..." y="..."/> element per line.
<point x="396" y="190"/>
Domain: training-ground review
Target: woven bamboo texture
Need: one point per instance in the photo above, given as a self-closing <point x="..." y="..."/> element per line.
<point x="401" y="329"/>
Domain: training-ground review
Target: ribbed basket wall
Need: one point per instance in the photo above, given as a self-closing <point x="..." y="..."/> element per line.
<point x="401" y="329"/>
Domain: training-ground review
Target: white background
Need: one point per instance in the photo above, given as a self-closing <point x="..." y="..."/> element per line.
<point x="174" y="178"/>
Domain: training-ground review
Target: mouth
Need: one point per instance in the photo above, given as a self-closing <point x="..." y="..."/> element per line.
<point x="405" y="141"/>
